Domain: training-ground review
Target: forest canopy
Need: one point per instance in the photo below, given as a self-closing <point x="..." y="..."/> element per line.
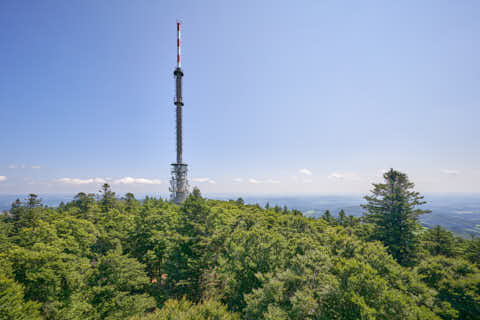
<point x="104" y="257"/>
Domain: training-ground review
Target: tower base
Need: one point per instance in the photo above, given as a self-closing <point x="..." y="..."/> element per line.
<point x="179" y="187"/>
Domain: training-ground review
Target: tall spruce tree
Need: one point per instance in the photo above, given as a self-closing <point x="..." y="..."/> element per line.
<point x="393" y="209"/>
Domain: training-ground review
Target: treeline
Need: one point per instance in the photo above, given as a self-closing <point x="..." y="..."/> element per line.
<point x="103" y="257"/>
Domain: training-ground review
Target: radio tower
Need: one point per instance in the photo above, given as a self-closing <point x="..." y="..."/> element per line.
<point x="179" y="183"/>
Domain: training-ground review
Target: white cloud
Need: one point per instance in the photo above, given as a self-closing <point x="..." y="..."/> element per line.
<point x="3" y="178"/>
<point x="130" y="180"/>
<point x="125" y="180"/>
<point x="148" y="181"/>
<point x="451" y="172"/>
<point x="204" y="180"/>
<point x="21" y="166"/>
<point x="238" y="180"/>
<point x="76" y="181"/>
<point x="305" y="172"/>
<point x="343" y="176"/>
<point x="307" y="180"/>
<point x="255" y="181"/>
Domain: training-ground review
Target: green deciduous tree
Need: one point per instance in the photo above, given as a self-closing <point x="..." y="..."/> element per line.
<point x="101" y="258"/>
<point x="457" y="282"/>
<point x="12" y="304"/>
<point x="299" y="292"/>
<point x="119" y="286"/>
<point x="359" y="281"/>
<point x="188" y="261"/>
<point x="185" y="310"/>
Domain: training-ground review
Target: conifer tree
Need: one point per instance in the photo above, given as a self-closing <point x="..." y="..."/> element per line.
<point x="342" y="217"/>
<point x="84" y="201"/>
<point x="393" y="209"/>
<point x="108" y="198"/>
<point x="131" y="204"/>
<point x="473" y="251"/>
<point x="33" y="201"/>
<point x="16" y="210"/>
<point x="327" y="216"/>
<point x="439" y="241"/>
<point x="26" y="214"/>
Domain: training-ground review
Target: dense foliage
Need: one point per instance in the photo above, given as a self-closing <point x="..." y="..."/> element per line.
<point x="103" y="257"/>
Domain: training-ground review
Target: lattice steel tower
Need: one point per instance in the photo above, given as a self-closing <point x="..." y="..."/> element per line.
<point x="179" y="187"/>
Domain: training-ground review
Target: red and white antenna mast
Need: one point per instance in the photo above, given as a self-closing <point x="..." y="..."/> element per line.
<point x="179" y="62"/>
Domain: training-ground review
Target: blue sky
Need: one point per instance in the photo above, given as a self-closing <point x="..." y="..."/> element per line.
<point x="280" y="96"/>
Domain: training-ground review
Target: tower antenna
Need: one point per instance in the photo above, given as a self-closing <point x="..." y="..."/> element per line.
<point x="179" y="46"/>
<point x="179" y="184"/>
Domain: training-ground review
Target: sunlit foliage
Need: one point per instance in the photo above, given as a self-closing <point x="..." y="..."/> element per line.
<point x="104" y="257"/>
